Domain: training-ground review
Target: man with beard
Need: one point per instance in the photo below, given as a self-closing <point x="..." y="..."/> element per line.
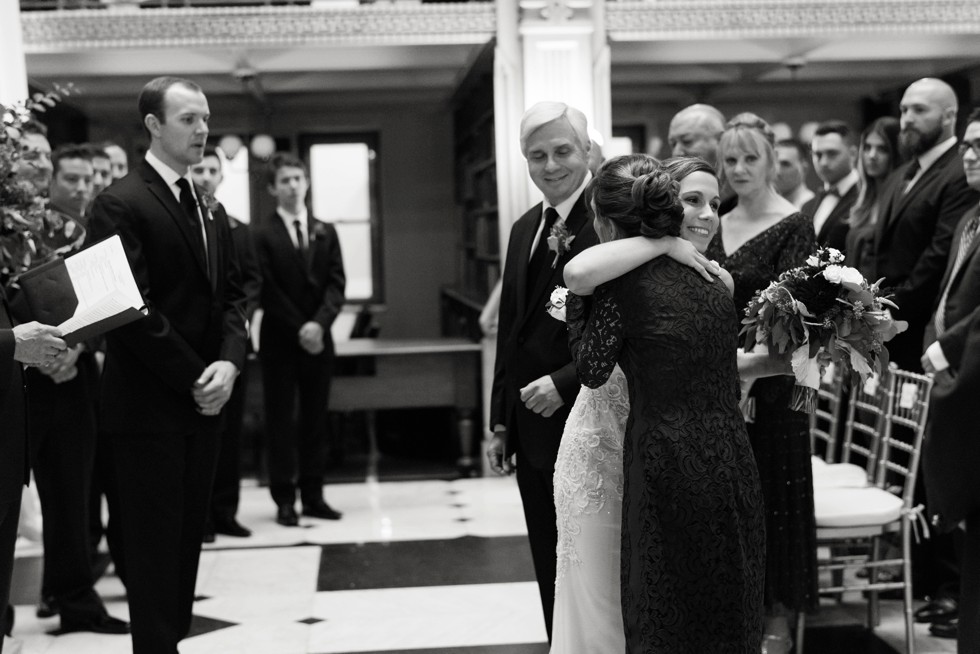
<point x="921" y="203"/>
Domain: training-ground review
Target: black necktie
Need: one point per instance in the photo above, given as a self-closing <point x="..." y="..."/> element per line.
<point x="300" y="241"/>
<point x="912" y="170"/>
<point x="189" y="205"/>
<point x="541" y="257"/>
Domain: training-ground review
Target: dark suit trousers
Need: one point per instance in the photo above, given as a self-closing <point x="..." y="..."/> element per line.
<point x="227" y="477"/>
<point x="61" y="421"/>
<point x="164" y="482"/>
<point x="968" y="636"/>
<point x="9" y="516"/>
<point x="297" y="447"/>
<point x="537" y="487"/>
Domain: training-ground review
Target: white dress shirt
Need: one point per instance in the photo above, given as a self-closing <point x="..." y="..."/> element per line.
<point x="830" y="201"/>
<point x="288" y="219"/>
<point x="563" y="208"/>
<point x="170" y="177"/>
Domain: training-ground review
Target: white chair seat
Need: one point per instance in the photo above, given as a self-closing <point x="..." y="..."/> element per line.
<point x="817" y="462"/>
<point x="855" y="507"/>
<point x="839" y="475"/>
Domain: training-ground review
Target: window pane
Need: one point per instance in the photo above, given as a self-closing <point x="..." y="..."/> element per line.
<point x="355" y="245"/>
<point x="340" y="182"/>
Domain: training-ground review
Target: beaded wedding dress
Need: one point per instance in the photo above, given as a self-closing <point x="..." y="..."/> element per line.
<point x="588" y="615"/>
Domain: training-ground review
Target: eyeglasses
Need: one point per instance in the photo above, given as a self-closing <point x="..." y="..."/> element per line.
<point x="973" y="145"/>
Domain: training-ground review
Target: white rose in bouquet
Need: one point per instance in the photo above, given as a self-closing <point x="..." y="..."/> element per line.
<point x="556" y="303"/>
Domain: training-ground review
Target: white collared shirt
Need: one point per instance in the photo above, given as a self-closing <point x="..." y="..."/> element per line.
<point x="170" y="177"/>
<point x="288" y="219"/>
<point x="929" y="157"/>
<point x="563" y="208"/>
<point x="830" y="201"/>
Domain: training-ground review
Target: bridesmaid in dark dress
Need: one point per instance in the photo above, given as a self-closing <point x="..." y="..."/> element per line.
<point x="693" y="529"/>
<point x="760" y="238"/>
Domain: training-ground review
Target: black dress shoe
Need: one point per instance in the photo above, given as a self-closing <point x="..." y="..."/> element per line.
<point x="321" y="510"/>
<point x="948" y="629"/>
<point x="47" y="608"/>
<point x="286" y="516"/>
<point x="208" y="536"/>
<point x="231" y="527"/>
<point x="105" y="624"/>
<point x="941" y="609"/>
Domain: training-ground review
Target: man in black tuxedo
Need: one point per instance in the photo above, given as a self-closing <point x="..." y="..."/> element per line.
<point x="534" y="382"/>
<point x="31" y="344"/>
<point x="951" y="457"/>
<point x="921" y="202"/>
<point x="168" y="376"/>
<point x="302" y="293"/>
<point x="834" y="154"/>
<point x="227" y="478"/>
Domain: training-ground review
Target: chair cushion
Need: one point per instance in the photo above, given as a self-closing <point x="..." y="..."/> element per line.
<point x="855" y="507"/>
<point x="816" y="461"/>
<point x="839" y="475"/>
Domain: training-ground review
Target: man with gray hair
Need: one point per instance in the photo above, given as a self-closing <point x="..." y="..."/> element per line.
<point x="535" y="382"/>
<point x="694" y="132"/>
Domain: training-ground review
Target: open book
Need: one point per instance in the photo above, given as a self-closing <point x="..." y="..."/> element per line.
<point x="86" y="294"/>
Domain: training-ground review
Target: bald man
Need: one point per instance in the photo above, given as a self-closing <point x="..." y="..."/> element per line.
<point x="694" y="132"/>
<point x="921" y="203"/>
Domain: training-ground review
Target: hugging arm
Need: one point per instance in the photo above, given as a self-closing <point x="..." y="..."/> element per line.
<point x="607" y="261"/>
<point x="596" y="336"/>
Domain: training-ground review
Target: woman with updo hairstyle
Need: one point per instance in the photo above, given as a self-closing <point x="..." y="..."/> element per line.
<point x="691" y="559"/>
<point x="763" y="236"/>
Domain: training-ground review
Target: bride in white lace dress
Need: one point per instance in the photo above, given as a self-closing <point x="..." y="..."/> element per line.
<point x="589" y="502"/>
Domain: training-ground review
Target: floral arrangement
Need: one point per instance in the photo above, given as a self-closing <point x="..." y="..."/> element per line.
<point x="30" y="233"/>
<point x="556" y="303"/>
<point x="559" y="240"/>
<point x="822" y="309"/>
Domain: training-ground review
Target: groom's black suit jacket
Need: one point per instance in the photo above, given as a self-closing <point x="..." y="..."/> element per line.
<point x="530" y="343"/>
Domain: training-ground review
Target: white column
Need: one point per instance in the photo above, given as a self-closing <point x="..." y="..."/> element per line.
<point x="565" y="59"/>
<point x="13" y="70"/>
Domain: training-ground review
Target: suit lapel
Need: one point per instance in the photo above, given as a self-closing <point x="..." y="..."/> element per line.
<point x="211" y="233"/>
<point x="577" y="221"/>
<point x="522" y="245"/>
<point x="954" y="253"/>
<point x="166" y="197"/>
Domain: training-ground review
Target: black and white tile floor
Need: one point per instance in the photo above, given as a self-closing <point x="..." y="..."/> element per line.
<point x="414" y="566"/>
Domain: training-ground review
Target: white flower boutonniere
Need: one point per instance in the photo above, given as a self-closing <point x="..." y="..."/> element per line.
<point x="209" y="204"/>
<point x="559" y="241"/>
<point x="556" y="303"/>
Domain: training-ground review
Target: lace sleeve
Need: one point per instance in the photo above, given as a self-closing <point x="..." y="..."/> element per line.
<point x="577" y="310"/>
<point x="596" y="349"/>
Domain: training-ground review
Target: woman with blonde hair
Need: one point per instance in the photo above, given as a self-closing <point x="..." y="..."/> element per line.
<point x="763" y="236"/>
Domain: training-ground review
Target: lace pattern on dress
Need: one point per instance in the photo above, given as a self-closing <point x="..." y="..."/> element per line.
<point x="589" y="469"/>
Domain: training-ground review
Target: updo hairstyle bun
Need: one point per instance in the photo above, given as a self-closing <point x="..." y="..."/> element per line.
<point x="635" y="196"/>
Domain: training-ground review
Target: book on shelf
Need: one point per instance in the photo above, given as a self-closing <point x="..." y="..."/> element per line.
<point x="85" y="294"/>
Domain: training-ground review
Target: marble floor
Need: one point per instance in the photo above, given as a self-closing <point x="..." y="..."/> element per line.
<point x="413" y="566"/>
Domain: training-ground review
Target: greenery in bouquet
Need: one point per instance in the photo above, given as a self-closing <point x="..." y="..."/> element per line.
<point x="819" y="310"/>
<point x="30" y="233"/>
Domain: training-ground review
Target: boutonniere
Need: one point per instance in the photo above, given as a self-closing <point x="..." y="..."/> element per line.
<point x="319" y="231"/>
<point x="560" y="240"/>
<point x="209" y="203"/>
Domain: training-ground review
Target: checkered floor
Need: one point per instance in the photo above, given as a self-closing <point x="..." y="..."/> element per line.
<point x="417" y="566"/>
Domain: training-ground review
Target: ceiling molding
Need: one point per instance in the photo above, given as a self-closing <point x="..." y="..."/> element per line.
<point x="272" y="26"/>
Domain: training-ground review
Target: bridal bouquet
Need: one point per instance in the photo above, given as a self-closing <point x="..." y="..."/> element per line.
<point x="822" y="308"/>
<point x="30" y="233"/>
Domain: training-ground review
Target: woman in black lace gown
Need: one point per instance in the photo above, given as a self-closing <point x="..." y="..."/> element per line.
<point x="693" y="531"/>
<point x="760" y="238"/>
